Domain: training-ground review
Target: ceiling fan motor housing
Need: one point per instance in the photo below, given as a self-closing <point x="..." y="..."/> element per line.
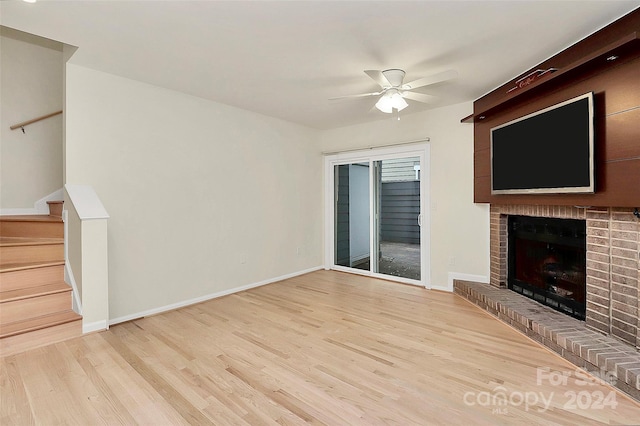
<point x="394" y="77"/>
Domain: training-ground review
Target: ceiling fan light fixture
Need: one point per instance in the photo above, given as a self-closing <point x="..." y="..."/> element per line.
<point x="398" y="102"/>
<point x="384" y="104"/>
<point x="390" y="101"/>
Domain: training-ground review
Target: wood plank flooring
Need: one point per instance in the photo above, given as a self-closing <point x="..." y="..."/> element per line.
<point x="323" y="348"/>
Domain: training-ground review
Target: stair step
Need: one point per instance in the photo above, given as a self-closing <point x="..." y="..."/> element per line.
<point x="29" y="292"/>
<point x="55" y="208"/>
<point x="37" y="226"/>
<point x="31" y="307"/>
<point x="25" y="241"/>
<point x="37" y="332"/>
<point x="35" y="302"/>
<point x="37" y="323"/>
<point x="49" y="251"/>
<point x="30" y="274"/>
<point x="20" y="266"/>
<point x="30" y="218"/>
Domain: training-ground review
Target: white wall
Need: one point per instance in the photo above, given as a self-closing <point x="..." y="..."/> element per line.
<point x="31" y="86"/>
<point x="459" y="228"/>
<point x="202" y="197"/>
<point x="206" y="198"/>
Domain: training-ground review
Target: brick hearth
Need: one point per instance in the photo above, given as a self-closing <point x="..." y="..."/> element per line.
<point x="604" y="356"/>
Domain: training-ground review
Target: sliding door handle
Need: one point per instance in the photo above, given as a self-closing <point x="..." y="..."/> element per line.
<point x="419" y="220"/>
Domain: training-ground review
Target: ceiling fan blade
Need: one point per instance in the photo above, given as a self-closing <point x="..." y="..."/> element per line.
<point x="362" y="95"/>
<point x="432" y="79"/>
<point x="378" y="77"/>
<point x="420" y="97"/>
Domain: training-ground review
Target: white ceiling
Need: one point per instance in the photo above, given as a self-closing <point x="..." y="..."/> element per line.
<point x="287" y="58"/>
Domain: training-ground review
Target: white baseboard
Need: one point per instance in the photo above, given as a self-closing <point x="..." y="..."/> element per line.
<point x="460" y="276"/>
<point x="18" y="212"/>
<point x="208" y="297"/>
<point x="95" y="326"/>
<point x="39" y="207"/>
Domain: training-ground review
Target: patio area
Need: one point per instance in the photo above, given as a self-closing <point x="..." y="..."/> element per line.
<point x="397" y="259"/>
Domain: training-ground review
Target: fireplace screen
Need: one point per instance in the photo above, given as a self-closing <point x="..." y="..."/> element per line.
<point x="547" y="262"/>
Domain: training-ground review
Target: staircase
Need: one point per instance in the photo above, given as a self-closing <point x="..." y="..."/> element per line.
<point x="35" y="302"/>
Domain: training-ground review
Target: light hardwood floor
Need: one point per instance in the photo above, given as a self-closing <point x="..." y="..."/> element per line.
<point x="323" y="348"/>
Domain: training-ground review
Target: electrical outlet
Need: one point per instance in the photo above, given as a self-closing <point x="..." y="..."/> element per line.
<point x="452" y="261"/>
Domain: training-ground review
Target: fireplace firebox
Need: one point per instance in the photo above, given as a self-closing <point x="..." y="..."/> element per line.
<point x="547" y="262"/>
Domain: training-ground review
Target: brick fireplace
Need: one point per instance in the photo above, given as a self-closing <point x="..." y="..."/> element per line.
<point x="613" y="262"/>
<point x="608" y="341"/>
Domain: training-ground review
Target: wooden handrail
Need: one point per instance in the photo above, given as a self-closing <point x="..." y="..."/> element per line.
<point x="34" y="120"/>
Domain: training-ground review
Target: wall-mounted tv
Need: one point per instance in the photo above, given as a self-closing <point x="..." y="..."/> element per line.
<point x="548" y="151"/>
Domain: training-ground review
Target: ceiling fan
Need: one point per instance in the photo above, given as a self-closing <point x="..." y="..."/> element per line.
<point x="394" y="91"/>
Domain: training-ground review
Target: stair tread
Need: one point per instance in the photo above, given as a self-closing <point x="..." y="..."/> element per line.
<point x="30" y="218"/>
<point x="37" y="323"/>
<point x="29" y="265"/>
<point x="28" y="241"/>
<point x="28" y="292"/>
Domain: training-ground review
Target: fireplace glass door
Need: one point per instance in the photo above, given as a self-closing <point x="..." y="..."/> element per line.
<point x="547" y="262"/>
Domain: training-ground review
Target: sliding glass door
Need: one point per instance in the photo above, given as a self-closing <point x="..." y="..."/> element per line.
<point x="376" y="223"/>
<point x="397" y="208"/>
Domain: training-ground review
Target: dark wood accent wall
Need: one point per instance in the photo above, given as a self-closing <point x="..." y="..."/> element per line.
<point x="583" y="67"/>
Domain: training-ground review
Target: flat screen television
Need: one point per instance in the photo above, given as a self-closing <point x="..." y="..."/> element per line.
<point x="549" y="151"/>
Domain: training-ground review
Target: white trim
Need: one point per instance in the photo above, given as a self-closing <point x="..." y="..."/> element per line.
<point x="377" y="146"/>
<point x="385" y="277"/>
<point x="425" y="215"/>
<point x="95" y="326"/>
<point x="69" y="278"/>
<point x="39" y="207"/>
<point x="204" y="298"/>
<point x="380" y="153"/>
<point x="465" y="277"/>
<point x="18" y="212"/>
<point x="86" y="202"/>
<point x="329" y="205"/>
